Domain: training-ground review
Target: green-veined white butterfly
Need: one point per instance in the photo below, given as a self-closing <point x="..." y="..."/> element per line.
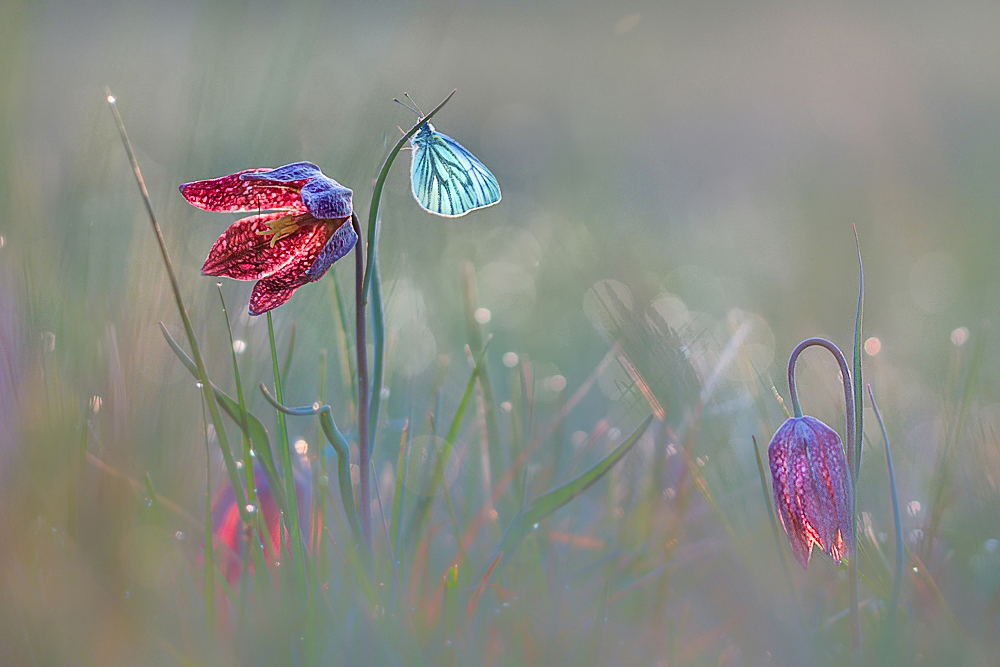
<point x="448" y="180"/>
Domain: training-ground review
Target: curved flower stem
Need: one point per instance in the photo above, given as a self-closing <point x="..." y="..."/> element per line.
<point x="340" y="446"/>
<point x="366" y="279"/>
<point x="377" y="191"/>
<point x="849" y="404"/>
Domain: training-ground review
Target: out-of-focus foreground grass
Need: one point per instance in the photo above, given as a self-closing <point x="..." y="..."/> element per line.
<point x="695" y="167"/>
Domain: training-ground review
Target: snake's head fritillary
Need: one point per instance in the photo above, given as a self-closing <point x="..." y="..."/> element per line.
<point x="812" y="488"/>
<point x="299" y="229"/>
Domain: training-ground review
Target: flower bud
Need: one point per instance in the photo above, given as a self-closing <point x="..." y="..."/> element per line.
<point x="812" y="488"/>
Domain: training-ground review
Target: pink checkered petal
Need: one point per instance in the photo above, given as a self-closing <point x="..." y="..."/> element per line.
<point x="243" y="254"/>
<point x="236" y="193"/>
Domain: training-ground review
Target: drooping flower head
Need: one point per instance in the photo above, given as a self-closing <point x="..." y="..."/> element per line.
<point x="303" y="232"/>
<point x="812" y="488"/>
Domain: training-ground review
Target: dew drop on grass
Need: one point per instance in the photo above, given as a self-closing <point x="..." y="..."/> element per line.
<point x="239" y="465"/>
<point x="535" y="527"/>
<point x="179" y="535"/>
<point x="510" y="359"/>
<point x="1" y="241"/>
<point x="316" y="405"/>
<point x="251" y="508"/>
<point x="253" y="454"/>
<point x="239" y="346"/>
<point x="199" y="384"/>
<point x="959" y="336"/>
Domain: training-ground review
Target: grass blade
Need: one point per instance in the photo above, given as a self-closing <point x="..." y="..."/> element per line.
<point x="897" y="580"/>
<point x="549" y="502"/>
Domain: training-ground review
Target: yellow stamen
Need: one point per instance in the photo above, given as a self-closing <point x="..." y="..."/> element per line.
<point x="280" y="228"/>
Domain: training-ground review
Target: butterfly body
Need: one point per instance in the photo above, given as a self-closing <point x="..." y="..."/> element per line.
<point x="447" y="179"/>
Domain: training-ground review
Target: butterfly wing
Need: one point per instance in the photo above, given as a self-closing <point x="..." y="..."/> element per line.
<point x="447" y="179"/>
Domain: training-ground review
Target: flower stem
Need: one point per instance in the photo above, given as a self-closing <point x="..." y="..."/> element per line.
<point x="364" y="452"/>
<point x="366" y="277"/>
<point x="849" y="405"/>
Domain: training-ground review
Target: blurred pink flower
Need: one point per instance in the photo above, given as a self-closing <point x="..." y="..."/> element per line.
<point x="229" y="531"/>
<point x="294" y="244"/>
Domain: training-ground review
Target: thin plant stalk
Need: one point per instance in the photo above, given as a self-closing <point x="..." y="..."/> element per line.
<point x="291" y="519"/>
<point x="859" y="395"/>
<point x="897" y="579"/>
<point x="203" y="380"/>
<point x="850" y="434"/>
<point x="364" y="452"/>
<point x="367" y="279"/>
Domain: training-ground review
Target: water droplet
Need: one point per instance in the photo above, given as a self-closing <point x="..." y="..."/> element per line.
<point x="483" y="315"/>
<point x="535" y="527"/>
<point x="316" y="406"/>
<point x="506" y="406"/>
<point x="199" y="384"/>
<point x="239" y="346"/>
<point x="218" y="283"/>
<point x="179" y="535"/>
<point x="872" y="346"/>
<point x="111" y="100"/>
<point x="384" y="393"/>
<point x="510" y="359"/>
<point x="253" y="453"/>
<point x="959" y="336"/>
<point x="554" y="383"/>
<point x="1" y="241"/>
<point x="250" y="508"/>
<point x="913" y="508"/>
<point x="239" y="465"/>
<point x="301" y="447"/>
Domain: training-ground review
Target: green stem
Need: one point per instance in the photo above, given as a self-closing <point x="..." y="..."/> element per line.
<point x="897" y="580"/>
<point x="367" y="279"/>
<point x="340" y="446"/>
<point x="850" y="434"/>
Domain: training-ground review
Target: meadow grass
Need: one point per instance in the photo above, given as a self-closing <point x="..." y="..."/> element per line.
<point x="563" y="395"/>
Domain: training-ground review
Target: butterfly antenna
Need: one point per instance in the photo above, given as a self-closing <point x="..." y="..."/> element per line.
<point x="416" y="111"/>
<point x="414" y="103"/>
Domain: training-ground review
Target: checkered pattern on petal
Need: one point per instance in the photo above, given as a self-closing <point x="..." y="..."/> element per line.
<point x="236" y="193"/>
<point x="243" y="254"/>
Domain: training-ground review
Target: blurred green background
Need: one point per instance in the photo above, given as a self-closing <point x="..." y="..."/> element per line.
<point x="705" y="162"/>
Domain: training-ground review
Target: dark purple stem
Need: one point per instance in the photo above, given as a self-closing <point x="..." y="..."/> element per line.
<point x="364" y="451"/>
